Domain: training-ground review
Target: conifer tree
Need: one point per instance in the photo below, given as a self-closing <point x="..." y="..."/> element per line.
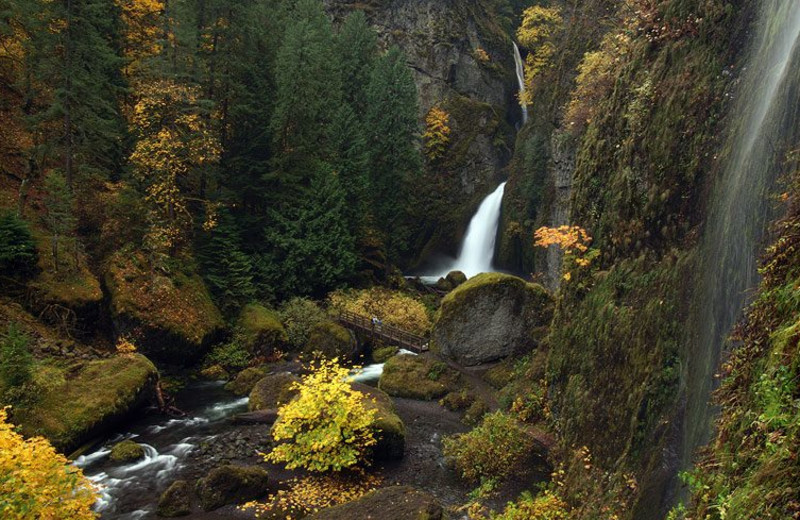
<point x="357" y="50"/>
<point x="59" y="217"/>
<point x="394" y="145"/>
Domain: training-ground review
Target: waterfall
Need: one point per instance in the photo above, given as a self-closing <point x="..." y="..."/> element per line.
<point x="520" y="81"/>
<point x="765" y="114"/>
<point x="477" y="251"/>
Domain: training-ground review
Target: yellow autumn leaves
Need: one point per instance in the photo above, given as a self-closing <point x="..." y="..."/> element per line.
<point x="36" y="482"/>
<point x="573" y="240"/>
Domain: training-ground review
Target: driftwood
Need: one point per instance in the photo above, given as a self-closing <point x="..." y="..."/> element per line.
<point x="164" y="404"/>
<point x="258" y="417"/>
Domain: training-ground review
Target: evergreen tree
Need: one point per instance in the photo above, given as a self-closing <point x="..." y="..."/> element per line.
<point x="311" y="249"/>
<point x="308" y="93"/>
<point x="59" y="217"/>
<point x="393" y="142"/>
<point x="18" y="253"/>
<point x="357" y="49"/>
<point x="227" y="270"/>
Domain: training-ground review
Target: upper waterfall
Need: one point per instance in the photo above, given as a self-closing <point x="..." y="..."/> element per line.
<point x="520" y="81"/>
<point x="740" y="206"/>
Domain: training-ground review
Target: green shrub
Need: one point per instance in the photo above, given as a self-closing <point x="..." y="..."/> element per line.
<point x="494" y="450"/>
<point x="16" y="361"/>
<point x="17" y="248"/>
<point x="232" y="356"/>
<point x="299" y="316"/>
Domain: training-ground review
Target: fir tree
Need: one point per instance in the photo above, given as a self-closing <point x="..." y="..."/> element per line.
<point x="394" y="148"/>
<point x="17" y="249"/>
<point x="357" y="49"/>
<point x="226" y="268"/>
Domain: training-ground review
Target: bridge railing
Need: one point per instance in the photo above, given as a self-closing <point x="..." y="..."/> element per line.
<point x="387" y="333"/>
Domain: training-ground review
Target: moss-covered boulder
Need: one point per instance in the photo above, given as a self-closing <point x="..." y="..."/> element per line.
<point x="246" y="380"/>
<point x="490" y="317"/>
<point x="231" y="485"/>
<point x="170" y="318"/>
<point x="99" y="396"/>
<point x="260" y="330"/>
<point x="273" y="390"/>
<point x="175" y="501"/>
<point x="382" y="354"/>
<point x="417" y="377"/>
<point x="126" y="451"/>
<point x="388" y="428"/>
<point x="332" y="340"/>
<point x="391" y="503"/>
<point x="456" y="278"/>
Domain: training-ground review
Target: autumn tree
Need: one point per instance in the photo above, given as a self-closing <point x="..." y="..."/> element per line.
<point x="574" y="241"/>
<point x="328" y="426"/>
<point x="536" y="33"/>
<point x="437" y="133"/>
<point x="38" y="482"/>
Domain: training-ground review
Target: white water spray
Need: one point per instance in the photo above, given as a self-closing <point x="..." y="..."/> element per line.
<point x="520" y="81"/>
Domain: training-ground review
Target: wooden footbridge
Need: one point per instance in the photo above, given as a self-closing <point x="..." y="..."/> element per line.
<point x="388" y="334"/>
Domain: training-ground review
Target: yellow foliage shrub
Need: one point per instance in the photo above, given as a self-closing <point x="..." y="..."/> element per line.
<point x="391" y="307"/>
<point x="437" y="133"/>
<point x="38" y="483"/>
<point x="539" y="26"/>
<point x="328" y="427"/>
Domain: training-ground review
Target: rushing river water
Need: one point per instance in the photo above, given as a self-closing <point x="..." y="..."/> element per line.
<point x="130" y="491"/>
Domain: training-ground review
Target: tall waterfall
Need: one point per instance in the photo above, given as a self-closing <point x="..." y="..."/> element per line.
<point x="520" y="81"/>
<point x="764" y="117"/>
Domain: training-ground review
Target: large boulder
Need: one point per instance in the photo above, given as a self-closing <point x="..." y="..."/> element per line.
<point x="246" y="380"/>
<point x="490" y="317"/>
<point x="231" y="485"/>
<point x="98" y="397"/>
<point x="332" y="341"/>
<point x="391" y="503"/>
<point x="126" y="451"/>
<point x="170" y="318"/>
<point x="272" y="391"/>
<point x="388" y="428"/>
<point x="175" y="501"/>
<point x="417" y="377"/>
<point x="260" y="330"/>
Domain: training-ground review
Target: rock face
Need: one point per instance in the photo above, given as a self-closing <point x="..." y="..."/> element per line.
<point x="272" y="391"/>
<point x="175" y="501"/>
<point x="460" y="53"/>
<point x="417" y="377"/>
<point x="170" y="319"/>
<point x="231" y="485"/>
<point x="391" y="503"/>
<point x="491" y="316"/>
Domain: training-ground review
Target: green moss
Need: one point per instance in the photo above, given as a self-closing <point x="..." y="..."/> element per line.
<point x="175" y="501"/>
<point x="458" y="401"/>
<point x="331" y="340"/>
<point x="90" y="401"/>
<point x="126" y="451"/>
<point x="261" y="330"/>
<point x="245" y="380"/>
<point x="382" y="354"/>
<point x="417" y="377"/>
<point x="501" y="374"/>
<point x="272" y="391"/>
<point x="231" y="485"/>
<point x="171" y="318"/>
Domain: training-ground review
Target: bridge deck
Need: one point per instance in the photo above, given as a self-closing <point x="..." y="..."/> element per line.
<point x="388" y="334"/>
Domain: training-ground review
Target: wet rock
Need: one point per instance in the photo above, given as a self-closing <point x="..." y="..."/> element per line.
<point x="391" y="503"/>
<point x="490" y="317"/>
<point x="231" y="485"/>
<point x="245" y="380"/>
<point x="272" y="391"/>
<point x="175" y="501"/>
<point x="126" y="451"/>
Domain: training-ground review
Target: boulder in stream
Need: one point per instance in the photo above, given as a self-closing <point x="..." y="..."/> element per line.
<point x="417" y="377"/>
<point x="273" y="390"/>
<point x="175" y="501"/>
<point x="491" y="316"/>
<point x="126" y="451"/>
<point x="231" y="485"/>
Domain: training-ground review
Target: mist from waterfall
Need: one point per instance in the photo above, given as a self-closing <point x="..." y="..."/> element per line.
<point x="763" y="118"/>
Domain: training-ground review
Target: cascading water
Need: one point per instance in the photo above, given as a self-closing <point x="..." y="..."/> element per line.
<point x="765" y="116"/>
<point x="520" y="80"/>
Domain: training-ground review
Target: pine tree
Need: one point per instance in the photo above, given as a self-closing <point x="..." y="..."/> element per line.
<point x="311" y="249"/>
<point x="18" y="253"/>
<point x="394" y="145"/>
<point x="228" y="271"/>
<point x="357" y="49"/>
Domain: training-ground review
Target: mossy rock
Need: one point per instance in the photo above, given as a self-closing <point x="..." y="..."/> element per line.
<point x="417" y="377"/>
<point x="273" y="390"/>
<point x="176" y="500"/>
<point x="501" y="374"/>
<point x="126" y="451"/>
<point x="245" y="380"/>
<point x="332" y="341"/>
<point x="491" y="316"/>
<point x="98" y="397"/>
<point x="215" y="373"/>
<point x="260" y="330"/>
<point x="475" y="412"/>
<point x="458" y="401"/>
<point x="231" y="485"/>
<point x="391" y="503"/>
<point x="170" y="318"/>
<point x="388" y="428"/>
<point x="456" y="278"/>
<point x="382" y="354"/>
